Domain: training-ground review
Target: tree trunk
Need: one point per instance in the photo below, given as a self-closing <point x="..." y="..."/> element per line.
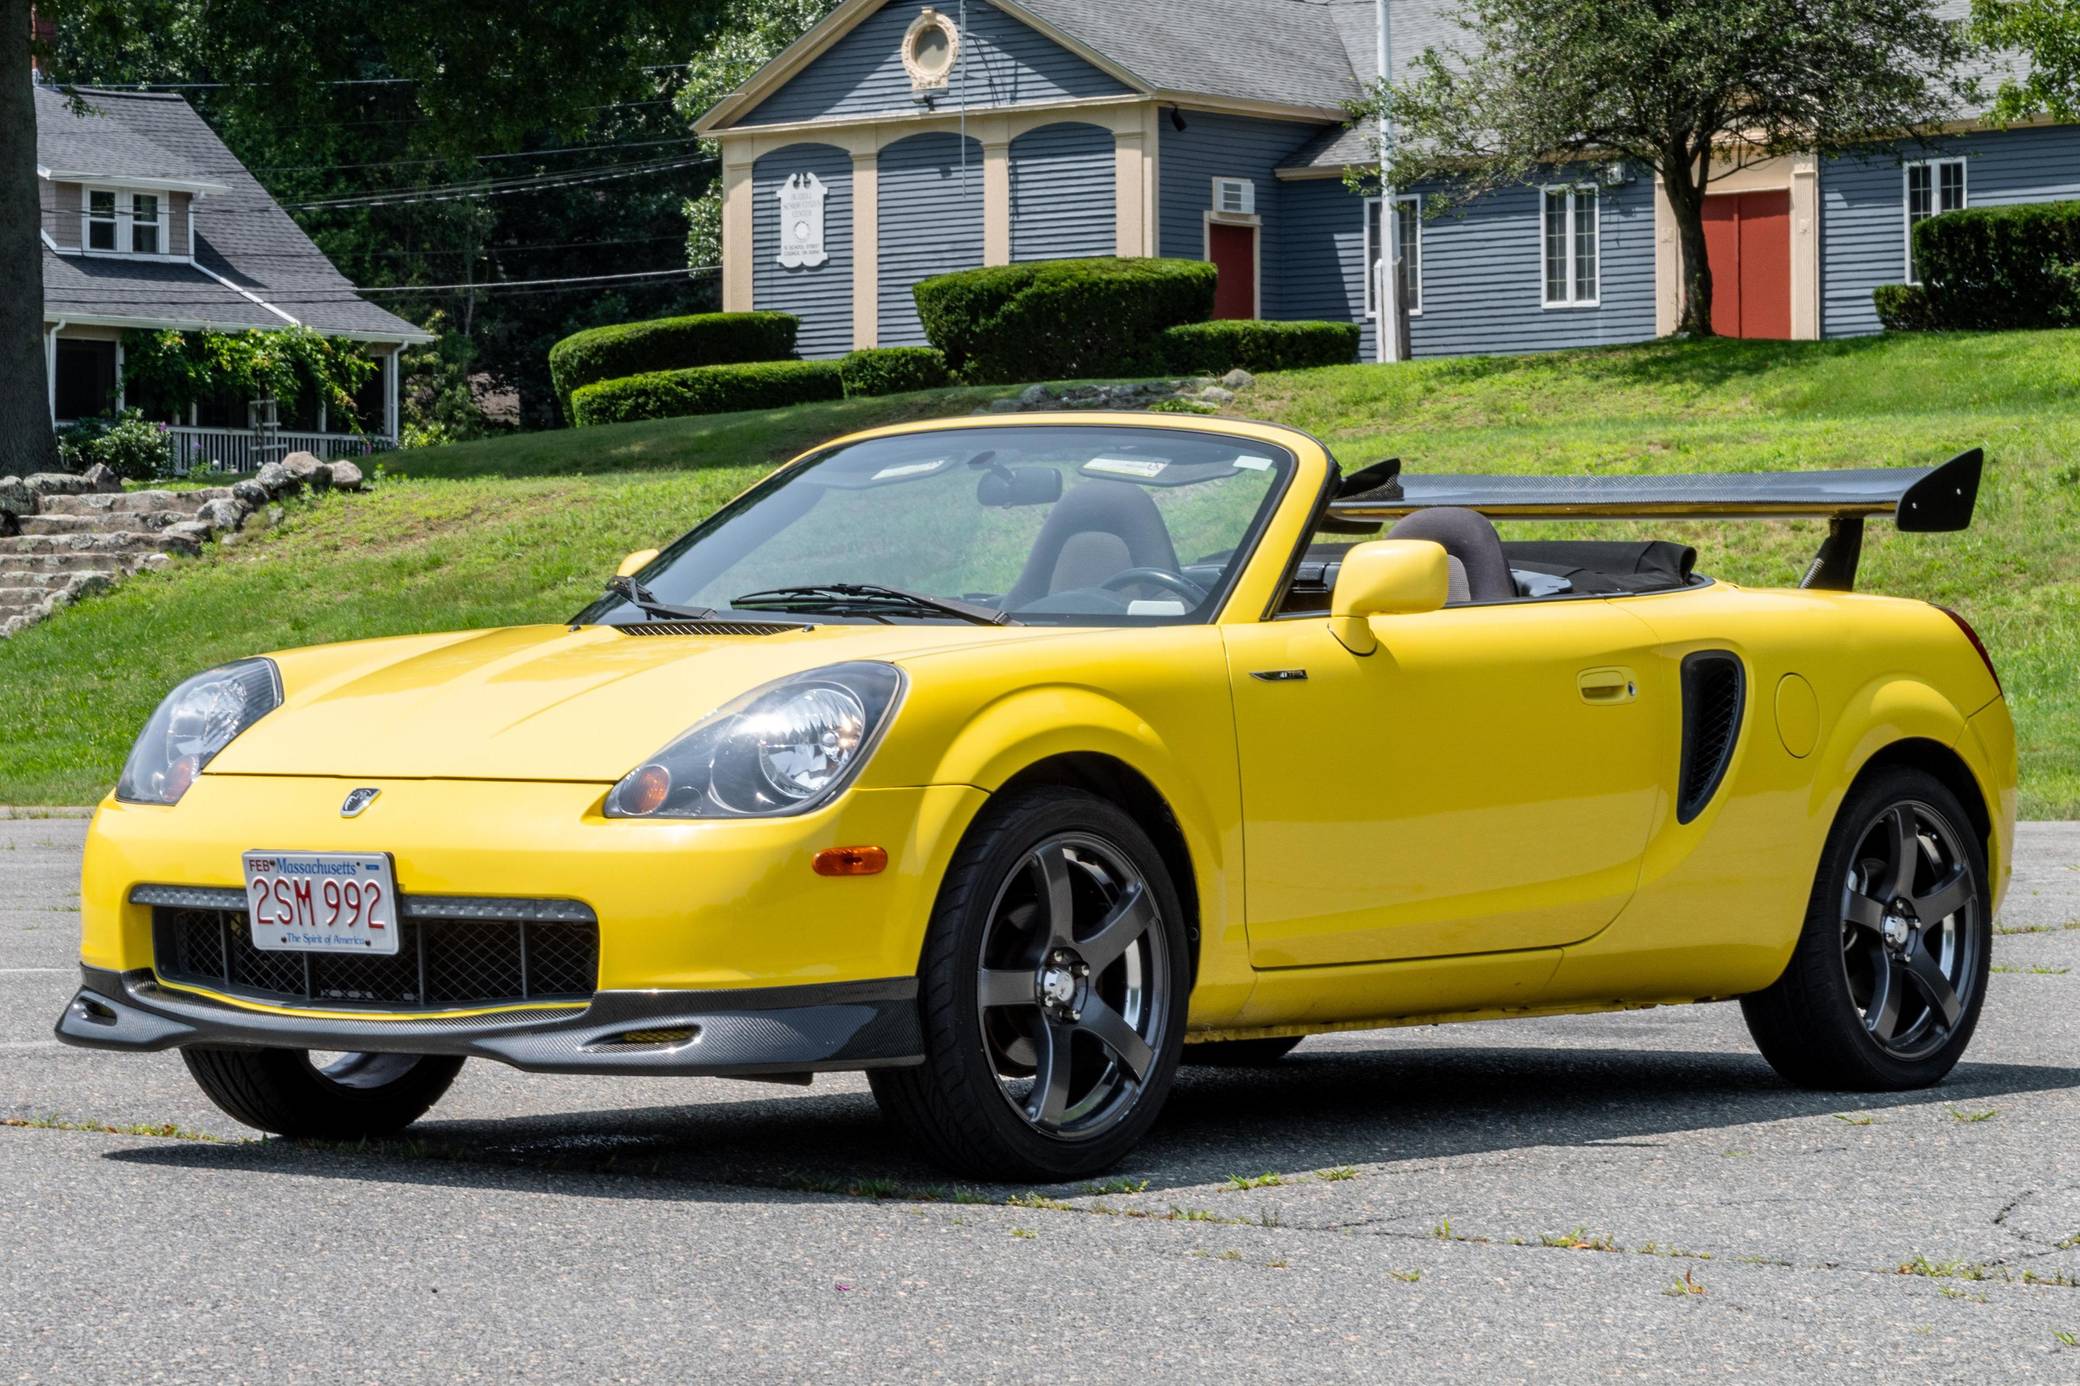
<point x="26" y="444"/>
<point x="1686" y="203"/>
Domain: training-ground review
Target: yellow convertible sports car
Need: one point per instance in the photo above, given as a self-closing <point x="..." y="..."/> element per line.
<point x="1017" y="760"/>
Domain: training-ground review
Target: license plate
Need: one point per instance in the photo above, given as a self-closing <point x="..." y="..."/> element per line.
<point x="322" y="902"/>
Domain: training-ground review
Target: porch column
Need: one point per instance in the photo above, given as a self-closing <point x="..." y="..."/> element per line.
<point x="739" y="225"/>
<point x="50" y="368"/>
<point x="390" y="392"/>
<point x="996" y="202"/>
<point x="1133" y="228"/>
<point x="1805" y="248"/>
<point x="866" y="247"/>
<point x="120" y="402"/>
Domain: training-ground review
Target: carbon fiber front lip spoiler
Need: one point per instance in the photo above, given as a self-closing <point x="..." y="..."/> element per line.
<point x="747" y="1033"/>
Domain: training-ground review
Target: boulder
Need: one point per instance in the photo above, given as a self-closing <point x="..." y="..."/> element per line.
<point x="194" y="532"/>
<point x="345" y="476"/>
<point x="153" y="562"/>
<point x="57" y="484"/>
<point x="277" y="479"/>
<point x="1035" y="394"/>
<point x="1214" y="394"/>
<point x="1003" y="406"/>
<point x="223" y="516"/>
<point x="16" y="496"/>
<point x="1238" y="379"/>
<point x="309" y="470"/>
<point x="249" y="493"/>
<point x="102" y="478"/>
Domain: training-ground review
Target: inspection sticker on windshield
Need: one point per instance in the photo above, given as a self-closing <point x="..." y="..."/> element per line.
<point x="1126" y="466"/>
<point x="1255" y="463"/>
<point x="909" y="469"/>
<point x="322" y="902"/>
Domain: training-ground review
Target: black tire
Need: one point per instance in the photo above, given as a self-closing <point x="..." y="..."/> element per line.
<point x="980" y="1103"/>
<point x="354" y="1097"/>
<point x="1820" y="1024"/>
<point x="1248" y="1053"/>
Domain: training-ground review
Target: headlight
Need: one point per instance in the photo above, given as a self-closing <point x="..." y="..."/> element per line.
<point x="197" y="720"/>
<point x="786" y="748"/>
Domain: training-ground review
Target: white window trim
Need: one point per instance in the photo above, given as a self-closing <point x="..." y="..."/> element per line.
<point x="1935" y="197"/>
<point x="125" y="220"/>
<point x="1545" y="202"/>
<point x="1371" y="281"/>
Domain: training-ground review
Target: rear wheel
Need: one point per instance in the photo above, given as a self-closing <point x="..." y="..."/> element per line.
<point x="1054" y="981"/>
<point x="1884" y="988"/>
<point x="337" y="1097"/>
<point x="1249" y="1053"/>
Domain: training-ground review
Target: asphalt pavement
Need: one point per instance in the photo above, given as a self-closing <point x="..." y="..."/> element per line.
<point x="1627" y="1197"/>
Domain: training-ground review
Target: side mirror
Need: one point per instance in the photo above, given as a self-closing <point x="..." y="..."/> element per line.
<point x="1387" y="577"/>
<point x="635" y="562"/>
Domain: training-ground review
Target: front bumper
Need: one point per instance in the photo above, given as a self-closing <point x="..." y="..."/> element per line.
<point x="739" y="1032"/>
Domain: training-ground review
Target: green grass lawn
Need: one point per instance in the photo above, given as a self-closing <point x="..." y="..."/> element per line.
<point x="525" y="528"/>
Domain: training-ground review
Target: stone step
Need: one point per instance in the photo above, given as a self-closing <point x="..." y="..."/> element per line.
<point x="120" y="541"/>
<point x="53" y="582"/>
<point x="126" y="502"/>
<point x="105" y="523"/>
<point x="23" y="565"/>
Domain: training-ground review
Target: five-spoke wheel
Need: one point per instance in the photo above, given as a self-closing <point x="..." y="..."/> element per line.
<point x="1884" y="987"/>
<point x="1053" y="986"/>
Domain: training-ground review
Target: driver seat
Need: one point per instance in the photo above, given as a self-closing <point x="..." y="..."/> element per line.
<point x="1098" y="530"/>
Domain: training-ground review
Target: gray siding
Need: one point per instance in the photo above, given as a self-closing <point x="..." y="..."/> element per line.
<point x="1481" y="271"/>
<point x="820" y="297"/>
<point x="180" y="208"/>
<point x="61" y="204"/>
<point x="1003" y="63"/>
<point x="931" y="222"/>
<point x="1223" y="146"/>
<point x="1863" y="209"/>
<point x="1063" y="197"/>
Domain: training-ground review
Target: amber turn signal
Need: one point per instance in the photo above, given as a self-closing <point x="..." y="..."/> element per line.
<point x="850" y="861"/>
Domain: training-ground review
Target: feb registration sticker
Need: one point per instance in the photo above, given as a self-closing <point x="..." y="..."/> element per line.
<point x="322" y="902"/>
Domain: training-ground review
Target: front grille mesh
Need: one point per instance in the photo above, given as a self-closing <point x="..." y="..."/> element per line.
<point x="438" y="963"/>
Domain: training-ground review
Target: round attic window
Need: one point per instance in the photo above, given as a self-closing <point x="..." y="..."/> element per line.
<point x="930" y="48"/>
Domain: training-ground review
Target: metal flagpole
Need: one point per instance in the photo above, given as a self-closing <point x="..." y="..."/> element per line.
<point x="1389" y="330"/>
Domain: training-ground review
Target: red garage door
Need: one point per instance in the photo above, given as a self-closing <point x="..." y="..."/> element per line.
<point x="1748" y="239"/>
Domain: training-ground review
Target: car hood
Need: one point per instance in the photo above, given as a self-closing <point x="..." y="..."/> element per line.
<point x="536" y="702"/>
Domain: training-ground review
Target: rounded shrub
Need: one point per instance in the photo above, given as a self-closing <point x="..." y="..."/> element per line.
<point x="1999" y="267"/>
<point x="706" y="390"/>
<point x="892" y="370"/>
<point x="128" y="444"/>
<point x="1212" y="347"/>
<point x="1061" y="319"/>
<point x="663" y="344"/>
<point x="1903" y="308"/>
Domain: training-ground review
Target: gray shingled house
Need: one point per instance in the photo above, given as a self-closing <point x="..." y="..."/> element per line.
<point x="898" y="139"/>
<point x="150" y="223"/>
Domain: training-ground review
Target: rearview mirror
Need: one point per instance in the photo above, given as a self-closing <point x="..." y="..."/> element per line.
<point x="1387" y="577"/>
<point x="1001" y="487"/>
<point x="635" y="562"/>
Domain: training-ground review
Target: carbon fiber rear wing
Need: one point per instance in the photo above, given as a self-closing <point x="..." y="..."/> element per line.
<point x="1924" y="500"/>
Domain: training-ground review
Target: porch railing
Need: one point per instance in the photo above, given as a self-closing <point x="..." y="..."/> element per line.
<point x="247" y="450"/>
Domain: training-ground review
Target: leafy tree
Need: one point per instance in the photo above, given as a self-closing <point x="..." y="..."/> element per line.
<point x="748" y="35"/>
<point x="2047" y="32"/>
<point x="1686" y="88"/>
<point x="26" y="444"/>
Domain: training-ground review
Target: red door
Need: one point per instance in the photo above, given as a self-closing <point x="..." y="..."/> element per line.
<point x="1747" y="238"/>
<point x="1233" y="250"/>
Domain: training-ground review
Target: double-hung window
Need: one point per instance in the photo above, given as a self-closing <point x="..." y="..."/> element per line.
<point x="1408" y="213"/>
<point x="114" y="222"/>
<point x="1568" y="236"/>
<point x="1933" y="186"/>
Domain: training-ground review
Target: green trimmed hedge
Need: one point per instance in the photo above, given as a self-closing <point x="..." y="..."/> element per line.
<point x="1209" y="348"/>
<point x="1998" y="267"/>
<point x="1903" y="308"/>
<point x="1061" y="319"/>
<point x="892" y="370"/>
<point x="706" y="390"/>
<point x="663" y="344"/>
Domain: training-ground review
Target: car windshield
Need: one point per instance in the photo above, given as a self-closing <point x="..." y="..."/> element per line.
<point x="1048" y="525"/>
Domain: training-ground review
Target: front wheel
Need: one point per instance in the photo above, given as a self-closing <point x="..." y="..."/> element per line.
<point x="1884" y="987"/>
<point x="333" y="1097"/>
<point x="1054" y="980"/>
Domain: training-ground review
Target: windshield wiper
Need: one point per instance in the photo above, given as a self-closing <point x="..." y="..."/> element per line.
<point x="645" y="601"/>
<point x="865" y="598"/>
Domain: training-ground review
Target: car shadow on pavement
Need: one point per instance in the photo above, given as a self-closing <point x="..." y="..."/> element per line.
<point x="1312" y="1111"/>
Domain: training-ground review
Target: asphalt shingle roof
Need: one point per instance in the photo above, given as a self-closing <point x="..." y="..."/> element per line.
<point x="241" y="233"/>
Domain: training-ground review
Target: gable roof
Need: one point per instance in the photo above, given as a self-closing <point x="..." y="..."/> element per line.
<point x="254" y="266"/>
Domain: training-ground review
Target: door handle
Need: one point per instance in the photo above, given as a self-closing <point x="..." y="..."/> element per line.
<point x="1606" y="687"/>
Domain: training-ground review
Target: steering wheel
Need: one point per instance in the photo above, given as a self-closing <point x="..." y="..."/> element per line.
<point x="1177" y="583"/>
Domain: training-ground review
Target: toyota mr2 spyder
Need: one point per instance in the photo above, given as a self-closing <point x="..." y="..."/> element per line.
<point x="1018" y="761"/>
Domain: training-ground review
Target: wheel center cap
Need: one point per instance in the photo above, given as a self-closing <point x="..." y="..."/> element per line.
<point x="1058" y="986"/>
<point x="1897" y="930"/>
